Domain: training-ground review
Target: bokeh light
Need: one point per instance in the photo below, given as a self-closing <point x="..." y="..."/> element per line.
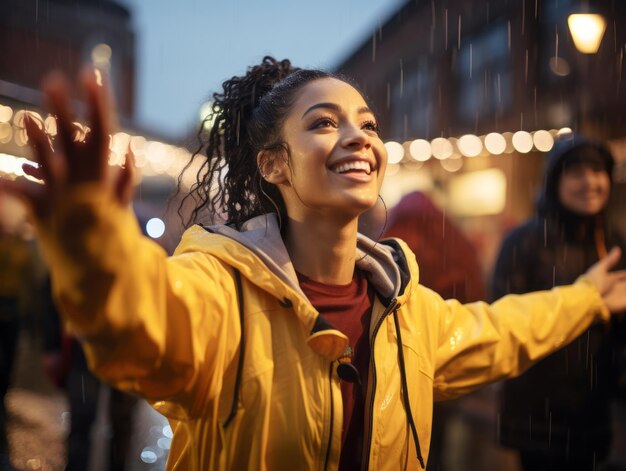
<point x="420" y="150"/>
<point x="395" y="152"/>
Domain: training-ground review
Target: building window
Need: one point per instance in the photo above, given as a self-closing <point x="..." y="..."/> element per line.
<point x="412" y="102"/>
<point x="484" y="75"/>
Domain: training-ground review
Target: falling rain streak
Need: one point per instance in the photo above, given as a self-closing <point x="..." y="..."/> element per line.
<point x="437" y="85"/>
<point x="445" y="24"/>
<point x="508" y="30"/>
<point x="374" y="47"/>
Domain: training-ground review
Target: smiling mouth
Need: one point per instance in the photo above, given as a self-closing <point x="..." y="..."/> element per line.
<point x="359" y="166"/>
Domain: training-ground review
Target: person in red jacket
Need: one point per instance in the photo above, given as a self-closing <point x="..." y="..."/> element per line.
<point x="447" y="258"/>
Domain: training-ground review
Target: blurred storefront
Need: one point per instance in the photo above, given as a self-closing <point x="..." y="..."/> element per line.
<point x="37" y="37"/>
<point x="470" y="96"/>
<point x="65" y="35"/>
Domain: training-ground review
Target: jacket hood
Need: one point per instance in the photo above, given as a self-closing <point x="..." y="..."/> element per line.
<point x="568" y="150"/>
<point x="258" y="252"/>
<point x="261" y="235"/>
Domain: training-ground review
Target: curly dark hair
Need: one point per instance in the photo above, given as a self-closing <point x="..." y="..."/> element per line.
<point x="247" y="117"/>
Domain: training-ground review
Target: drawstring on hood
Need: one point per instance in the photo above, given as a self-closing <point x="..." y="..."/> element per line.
<point x="405" y="390"/>
<point x="385" y="267"/>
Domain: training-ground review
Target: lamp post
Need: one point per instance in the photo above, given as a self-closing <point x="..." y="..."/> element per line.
<point x="587" y="30"/>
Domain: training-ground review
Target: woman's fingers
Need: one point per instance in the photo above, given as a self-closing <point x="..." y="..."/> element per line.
<point x="48" y="169"/>
<point x="56" y="90"/>
<point x="85" y="160"/>
<point x="66" y="162"/>
<point x="125" y="179"/>
<point x="100" y="112"/>
<point x="611" y="259"/>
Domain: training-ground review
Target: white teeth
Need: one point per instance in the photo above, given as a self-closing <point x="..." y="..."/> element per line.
<point x="354" y="165"/>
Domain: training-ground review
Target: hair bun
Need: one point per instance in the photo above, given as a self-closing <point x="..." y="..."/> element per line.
<point x="265" y="75"/>
<point x="248" y="89"/>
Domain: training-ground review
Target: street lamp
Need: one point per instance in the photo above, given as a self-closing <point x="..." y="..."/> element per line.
<point x="587" y="30"/>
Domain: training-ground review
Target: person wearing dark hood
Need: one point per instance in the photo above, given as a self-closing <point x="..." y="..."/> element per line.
<point x="557" y="414"/>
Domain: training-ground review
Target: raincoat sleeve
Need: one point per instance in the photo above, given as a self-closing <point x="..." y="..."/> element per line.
<point x="148" y="323"/>
<point x="479" y="343"/>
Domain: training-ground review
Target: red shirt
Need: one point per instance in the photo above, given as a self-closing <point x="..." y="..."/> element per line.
<point x="348" y="309"/>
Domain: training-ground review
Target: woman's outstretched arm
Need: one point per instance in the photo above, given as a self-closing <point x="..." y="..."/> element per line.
<point x="142" y="317"/>
<point x="479" y="343"/>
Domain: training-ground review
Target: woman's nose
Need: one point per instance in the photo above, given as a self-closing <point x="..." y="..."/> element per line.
<point x="354" y="136"/>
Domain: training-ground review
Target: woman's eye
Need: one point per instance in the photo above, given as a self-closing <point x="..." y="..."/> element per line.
<point x="323" y="123"/>
<point x="370" y="126"/>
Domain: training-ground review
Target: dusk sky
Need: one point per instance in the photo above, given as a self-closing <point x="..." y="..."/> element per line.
<point x="187" y="48"/>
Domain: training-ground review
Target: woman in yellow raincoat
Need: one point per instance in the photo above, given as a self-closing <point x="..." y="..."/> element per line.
<point x="282" y="339"/>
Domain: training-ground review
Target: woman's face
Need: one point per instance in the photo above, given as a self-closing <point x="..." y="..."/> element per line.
<point x="584" y="189"/>
<point x="337" y="159"/>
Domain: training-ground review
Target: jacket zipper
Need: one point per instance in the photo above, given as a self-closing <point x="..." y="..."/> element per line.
<point x="366" y="453"/>
<point x="332" y="418"/>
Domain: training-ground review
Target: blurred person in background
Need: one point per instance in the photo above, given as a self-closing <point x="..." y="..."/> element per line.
<point x="18" y="277"/>
<point x="557" y="414"/>
<point x="66" y="366"/>
<point x="448" y="263"/>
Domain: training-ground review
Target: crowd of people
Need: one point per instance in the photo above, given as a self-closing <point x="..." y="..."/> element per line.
<point x="277" y="335"/>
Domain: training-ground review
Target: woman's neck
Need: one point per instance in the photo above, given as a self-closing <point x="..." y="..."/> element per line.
<point x="323" y="250"/>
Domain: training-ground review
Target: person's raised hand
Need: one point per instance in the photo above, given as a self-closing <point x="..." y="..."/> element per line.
<point x="69" y="162"/>
<point x="611" y="285"/>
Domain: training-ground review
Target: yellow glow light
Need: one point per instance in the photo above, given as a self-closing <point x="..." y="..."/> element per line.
<point x="392" y="169"/>
<point x="420" y="150"/>
<point x="441" y="148"/>
<point x="495" y="143"/>
<point x="543" y="140"/>
<point x="101" y="57"/>
<point x="5" y="114"/>
<point x="587" y="30"/>
<point x="522" y="141"/>
<point x="478" y="193"/>
<point x="6" y="133"/>
<point x="395" y="152"/>
<point x="50" y="126"/>
<point x="454" y="163"/>
<point x="470" y="145"/>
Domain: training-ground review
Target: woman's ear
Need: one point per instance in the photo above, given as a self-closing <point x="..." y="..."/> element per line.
<point x="273" y="167"/>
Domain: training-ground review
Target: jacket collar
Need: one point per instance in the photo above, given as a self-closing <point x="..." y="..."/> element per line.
<point x="259" y="245"/>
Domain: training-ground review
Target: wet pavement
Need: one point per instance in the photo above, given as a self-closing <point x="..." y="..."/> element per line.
<point x="39" y="423"/>
<point x="38" y="416"/>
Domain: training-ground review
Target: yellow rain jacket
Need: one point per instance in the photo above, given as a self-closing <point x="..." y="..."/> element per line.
<point x="221" y="340"/>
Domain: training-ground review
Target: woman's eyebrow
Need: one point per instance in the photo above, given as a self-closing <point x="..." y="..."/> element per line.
<point x="334" y="107"/>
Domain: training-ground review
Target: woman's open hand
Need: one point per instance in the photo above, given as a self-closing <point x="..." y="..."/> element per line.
<point x="69" y="162"/>
<point x="611" y="285"/>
